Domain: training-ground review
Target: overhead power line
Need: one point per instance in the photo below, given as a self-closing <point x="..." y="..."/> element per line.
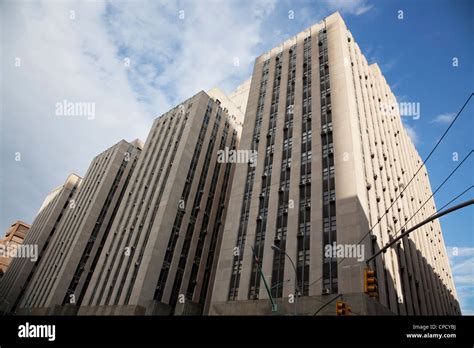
<point x="437" y="189"/>
<point x="421" y="166"/>
<point x="455" y="198"/>
<point x="411" y="180"/>
<point x="424" y="222"/>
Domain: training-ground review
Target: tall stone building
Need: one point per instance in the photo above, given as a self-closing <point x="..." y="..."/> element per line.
<point x="240" y="96"/>
<point x="333" y="156"/>
<point x="13" y="238"/>
<point x="64" y="272"/>
<point x="20" y="272"/>
<point x="161" y="253"/>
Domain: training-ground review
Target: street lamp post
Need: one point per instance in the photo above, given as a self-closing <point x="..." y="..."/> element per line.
<point x="280" y="250"/>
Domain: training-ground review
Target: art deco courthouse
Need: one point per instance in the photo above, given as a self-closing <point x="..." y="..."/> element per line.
<point x="332" y="158"/>
<point x="168" y="228"/>
<point x="21" y="270"/>
<point x="163" y="245"/>
<point x="63" y="274"/>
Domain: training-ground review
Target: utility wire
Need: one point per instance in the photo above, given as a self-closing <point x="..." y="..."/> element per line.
<point x="437" y="189"/>
<point x="422" y="223"/>
<point x="402" y="229"/>
<point x="411" y="180"/>
<point x="455" y="198"/>
<point x="418" y="170"/>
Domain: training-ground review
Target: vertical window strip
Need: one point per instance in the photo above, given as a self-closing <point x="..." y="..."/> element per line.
<point x="206" y="218"/>
<point x="278" y="266"/>
<point x="180" y="213"/>
<point x="195" y="212"/>
<point x="329" y="193"/>
<point x="133" y="226"/>
<point x="217" y="227"/>
<point x="157" y="202"/>
<point x="244" y="216"/>
<point x="264" y="198"/>
<point x="304" y="207"/>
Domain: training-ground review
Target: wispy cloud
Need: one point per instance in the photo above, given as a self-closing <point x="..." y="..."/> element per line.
<point x="412" y="133"/>
<point x="402" y="98"/>
<point x="388" y="65"/>
<point x="186" y="47"/>
<point x="64" y="54"/>
<point x="394" y="86"/>
<point x="133" y="60"/>
<point x="462" y="267"/>
<point x="363" y="9"/>
<point x="375" y="54"/>
<point x="355" y="7"/>
<point x="444" y="118"/>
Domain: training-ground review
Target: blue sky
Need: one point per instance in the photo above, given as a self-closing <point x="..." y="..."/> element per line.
<point x="76" y="51"/>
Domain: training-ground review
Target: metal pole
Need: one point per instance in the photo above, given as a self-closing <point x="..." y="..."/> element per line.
<point x="274" y="247"/>
<point x="274" y="305"/>
<point x="433" y="217"/>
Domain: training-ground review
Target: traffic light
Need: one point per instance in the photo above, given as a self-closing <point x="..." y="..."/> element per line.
<point x="370" y="283"/>
<point x="342" y="308"/>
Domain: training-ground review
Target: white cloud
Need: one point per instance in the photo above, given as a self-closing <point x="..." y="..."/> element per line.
<point x="82" y="60"/>
<point x="355" y="7"/>
<point x="59" y="59"/>
<point x="402" y="98"/>
<point x="412" y="133"/>
<point x="388" y="65"/>
<point x="444" y="118"/>
<point x="188" y="47"/>
<point x="460" y="251"/>
<point x="461" y="260"/>
<point x="363" y="9"/>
